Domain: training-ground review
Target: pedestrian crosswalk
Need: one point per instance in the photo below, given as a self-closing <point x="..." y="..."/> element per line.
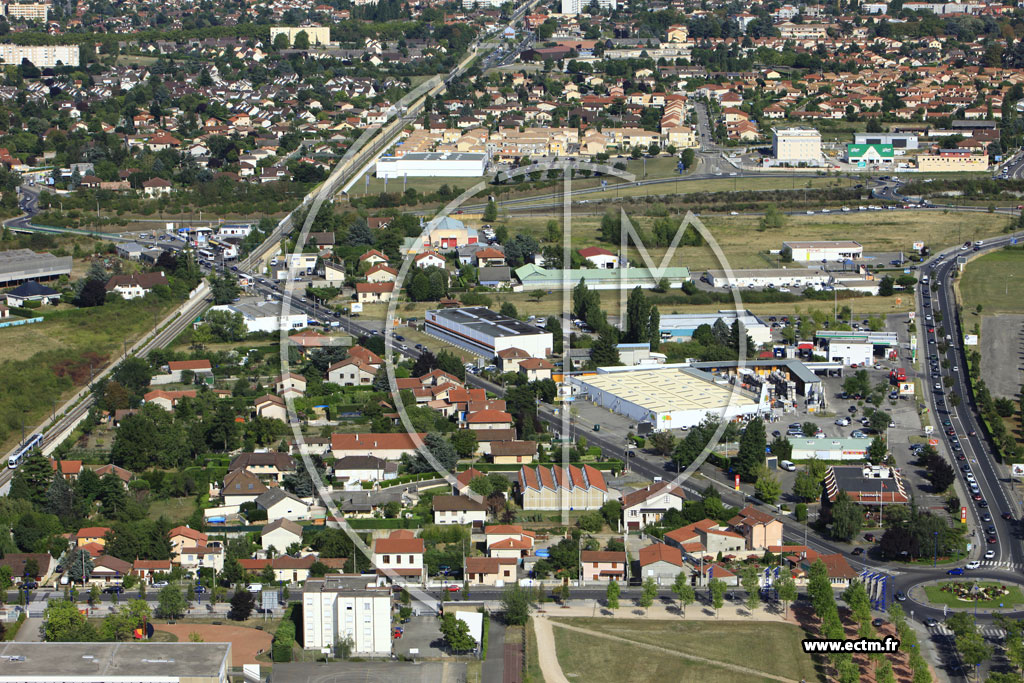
<point x="1002" y="565"/>
<point x="986" y="631"/>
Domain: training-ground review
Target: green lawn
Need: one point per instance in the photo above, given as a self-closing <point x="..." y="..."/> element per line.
<point x="995" y="281"/>
<point x="174" y="509"/>
<point x="938" y="597"/>
<point x="593" y="658"/>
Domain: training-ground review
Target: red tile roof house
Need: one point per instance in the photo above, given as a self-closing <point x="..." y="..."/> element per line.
<point x="198" y="367"/>
<point x="602" y="565"/>
<point x="69" y="469"/>
<point x="109" y="570"/>
<point x="399" y="557"/>
<point x="147" y="569"/>
<point x="840" y="573"/>
<point x="600" y="257"/>
<point x="536" y="369"/>
<point x="385" y="446"/>
<point x="707" y="538"/>
<point x="459" y="510"/>
<point x="717" y="571"/>
<point x="489" y="419"/>
<point x="18" y="561"/>
<point x="648" y="505"/>
<point x="489" y="571"/>
<point x="661" y="562"/>
<point x="761" y="530"/>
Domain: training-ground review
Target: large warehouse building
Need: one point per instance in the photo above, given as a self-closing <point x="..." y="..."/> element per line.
<point x="798" y="278"/>
<point x="680" y="327"/>
<point x="481" y="330"/>
<point x="824" y="250"/>
<point x="433" y="165"/>
<point x="668" y="397"/>
<point x="22" y="265"/>
<point x="109" y="662"/>
<point x="534" y="277"/>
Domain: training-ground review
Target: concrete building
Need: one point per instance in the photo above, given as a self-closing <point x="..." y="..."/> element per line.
<point x="40" y="55"/>
<point x="660" y="562"/>
<point x="669" y="397"/>
<point x="707" y="537"/>
<point x="22" y="265"/>
<point x="433" y="165"/>
<point x="679" y="327"/>
<point x="97" y="662"/>
<point x="317" y="35"/>
<point x="818" y="251"/>
<point x="830" y="449"/>
<point x="856" y="348"/>
<point x="573" y="7"/>
<point x="759" y="278"/>
<point x="550" y="487"/>
<point x="481" y="330"/>
<point x="952" y="160"/>
<point x="264" y="316"/>
<point x="898" y="141"/>
<point x="347" y="606"/>
<point x="535" y="277"/>
<point x="796" y="146"/>
<point x="28" y="11"/>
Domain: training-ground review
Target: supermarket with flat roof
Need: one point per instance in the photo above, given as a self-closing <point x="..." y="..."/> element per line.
<point x="668" y="397"/>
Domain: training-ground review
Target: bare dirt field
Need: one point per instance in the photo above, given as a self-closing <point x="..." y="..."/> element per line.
<point x="246" y="643"/>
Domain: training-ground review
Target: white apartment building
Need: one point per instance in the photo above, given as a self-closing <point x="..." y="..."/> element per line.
<point x="579" y="6"/>
<point x="347" y="606"/>
<point x="28" y="11"/>
<point x="796" y="146"/>
<point x="39" y="55"/>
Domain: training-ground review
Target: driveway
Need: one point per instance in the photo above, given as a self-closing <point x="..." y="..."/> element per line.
<point x="422" y="634"/>
<point x="494" y="665"/>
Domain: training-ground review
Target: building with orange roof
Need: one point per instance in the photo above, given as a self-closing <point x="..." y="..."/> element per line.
<point x="552" y="487"/>
<point x="487" y="571"/>
<point x="386" y="446"/>
<point x="707" y="537"/>
<point x="660" y="562"/>
<point x="399" y="557"/>
<point x="69" y="469"/>
<point x="92" y="534"/>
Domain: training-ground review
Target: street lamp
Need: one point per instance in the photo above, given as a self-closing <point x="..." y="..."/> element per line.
<point x="935" y="560"/>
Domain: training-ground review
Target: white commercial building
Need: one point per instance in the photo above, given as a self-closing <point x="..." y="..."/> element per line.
<point x="673" y="396"/>
<point x="579" y="6"/>
<point x="796" y="146"/>
<point x="433" y="165"/>
<point x="679" y="327"/>
<point x="264" y="316"/>
<point x="317" y="35"/>
<point x="347" y="606"/>
<point x="481" y="330"/>
<point x="39" y="55"/>
<point x="856" y="348"/>
<point x="798" y="278"/>
<point x="897" y="140"/>
<point x="824" y="250"/>
<point x="830" y="449"/>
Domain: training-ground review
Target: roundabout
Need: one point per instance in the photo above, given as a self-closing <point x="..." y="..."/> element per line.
<point x="985" y="594"/>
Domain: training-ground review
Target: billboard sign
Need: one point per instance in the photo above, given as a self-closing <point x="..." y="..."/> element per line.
<point x="970" y="340"/>
<point x="1017" y="469"/>
<point x="737" y="484"/>
<point x="356" y="308"/>
<point x="963" y="515"/>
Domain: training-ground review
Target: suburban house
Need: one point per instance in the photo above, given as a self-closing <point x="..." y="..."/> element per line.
<point x="147" y="570"/>
<point x="489" y="571"/>
<point x="707" y="537"/>
<point x="69" y="469"/>
<point x="384" y="445"/>
<point x="271" y="407"/>
<point x="648" y="505"/>
<point x="374" y="292"/>
<point x="121" y="473"/>
<point x="513" y="452"/>
<point x="201" y="557"/>
<point x="241" y="486"/>
<point x="92" y="534"/>
<point x="182" y="537"/>
<point x="107" y="569"/>
<point x="372" y="258"/>
<point x="286" y="568"/>
<point x="489" y="419"/>
<point x="270" y="466"/>
<point x="280" y="534"/>
<point x="660" y="562"/>
<point x="602" y="565"/>
<point x="428" y="258"/>
<point x="20" y="563"/>
<point x="290" y="385"/>
<point x="508" y="540"/>
<point x="279" y="503"/>
<point x="761" y="530"/>
<point x="459" y="510"/>
<point x="175" y="368"/>
<point x="551" y="487"/>
<point x="351" y="372"/>
<point x="381" y="273"/>
<point x="135" y="285"/>
<point x="840" y="573"/>
<point x="535" y="369"/>
<point x="32" y="291"/>
<point x="510" y="358"/>
<point x="167" y="399"/>
<point x="599" y="257"/>
<point x="352" y="470"/>
<point x="399" y="557"/>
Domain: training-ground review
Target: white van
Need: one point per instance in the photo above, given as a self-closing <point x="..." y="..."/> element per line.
<point x="787" y="465"/>
<point x="254" y="587"/>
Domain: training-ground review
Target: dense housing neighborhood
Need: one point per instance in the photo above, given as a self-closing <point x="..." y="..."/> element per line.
<point x="539" y="340"/>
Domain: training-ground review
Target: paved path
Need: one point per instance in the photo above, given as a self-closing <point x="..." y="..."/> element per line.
<point x="664" y="650"/>
<point x="494" y="665"/>
<point x="546" y="654"/>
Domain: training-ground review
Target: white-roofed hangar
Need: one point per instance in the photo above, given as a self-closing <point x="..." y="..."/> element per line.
<point x="669" y="397"/>
<point x="481" y="330"/>
<point x="433" y="164"/>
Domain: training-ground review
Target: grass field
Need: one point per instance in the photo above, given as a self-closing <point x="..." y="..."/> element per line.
<point x="995" y="281"/>
<point x="174" y="509"/>
<point x="597" y="659"/>
<point x="938" y="597"/>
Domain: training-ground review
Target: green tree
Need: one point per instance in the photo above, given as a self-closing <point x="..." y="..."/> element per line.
<point x="847" y="519"/>
<point x="62" y="622"/>
<point x="612" y="594"/>
<point x="516" y="602"/>
<point x="768" y="487"/>
<point x="604" y="352"/>
<point x="456" y="633"/>
<point x="301" y="41"/>
<point x="491" y="211"/>
<point x="750" y="458"/>
<point x="973" y="648"/>
<point x="171" y="602"/>
<point x="750" y="583"/>
<point x="717" y="587"/>
<point x="32" y="479"/>
<point x="773" y="218"/>
<point x="684" y="591"/>
<point x="786" y="588"/>
<point x="648" y="591"/>
<point x="79" y="566"/>
<point x="242" y="604"/>
<point x="806" y="487"/>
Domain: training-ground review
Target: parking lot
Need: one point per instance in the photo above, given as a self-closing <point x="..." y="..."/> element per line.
<point x="423" y="635"/>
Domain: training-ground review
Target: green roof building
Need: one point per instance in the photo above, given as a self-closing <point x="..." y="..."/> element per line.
<point x="863" y="155"/>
